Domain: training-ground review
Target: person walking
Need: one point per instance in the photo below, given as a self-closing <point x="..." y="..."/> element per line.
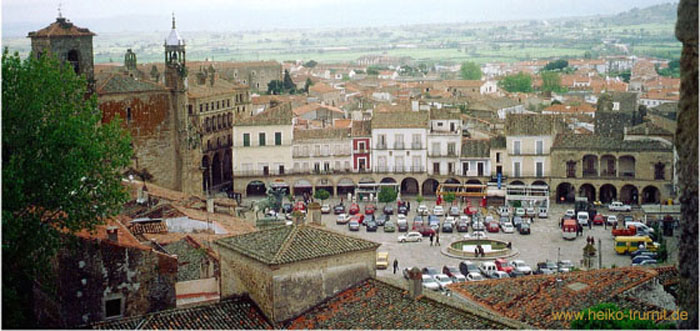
<point x="590" y="224"/>
<point x="396" y="265"/>
<point x="431" y="238"/>
<point x="437" y="239"/>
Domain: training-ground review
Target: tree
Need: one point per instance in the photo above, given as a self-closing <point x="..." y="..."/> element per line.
<point x="60" y="171"/>
<point x="450" y="197"/>
<point x="556" y="65"/>
<point x="520" y="82"/>
<point x="322" y="194"/>
<point x="275" y="87"/>
<point x="551" y="82"/>
<point x="372" y="71"/>
<point x="288" y="84"/>
<point x="470" y="71"/>
<point x="585" y="320"/>
<point x="310" y="64"/>
<point x="308" y="84"/>
<point x="420" y="199"/>
<point x="387" y="194"/>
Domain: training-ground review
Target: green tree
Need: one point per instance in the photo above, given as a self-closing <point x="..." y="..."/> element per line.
<point x="627" y="323"/>
<point x="307" y="85"/>
<point x="373" y="71"/>
<point x="420" y="199"/>
<point x="322" y="194"/>
<point x="288" y="83"/>
<point x="470" y="71"/>
<point x="310" y="64"/>
<point x="551" y="81"/>
<point x="520" y="82"/>
<point x="275" y="87"/>
<point x="60" y="172"/>
<point x="387" y="194"/>
<point x="557" y="65"/>
<point x="450" y="197"/>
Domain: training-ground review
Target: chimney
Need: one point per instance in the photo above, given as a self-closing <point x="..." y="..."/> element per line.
<point x="113" y="233"/>
<point x="415" y="282"/>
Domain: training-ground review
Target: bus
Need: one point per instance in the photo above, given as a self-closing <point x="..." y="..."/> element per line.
<point x="629" y="244"/>
<point x="568" y="229"/>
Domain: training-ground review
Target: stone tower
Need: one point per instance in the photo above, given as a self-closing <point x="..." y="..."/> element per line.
<point x="68" y="43"/>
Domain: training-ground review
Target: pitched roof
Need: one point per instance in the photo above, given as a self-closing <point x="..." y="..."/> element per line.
<point x="287" y="244"/>
<point x="121" y="83"/>
<point x="303" y="109"/>
<point x="533" y="299"/>
<point x="373" y="304"/>
<point x="400" y="119"/>
<point x="279" y="115"/>
<point x="462" y="83"/>
<point x="598" y="142"/>
<point x="532" y="124"/>
<point x="361" y="128"/>
<point x="220" y="87"/>
<point x="488" y="103"/>
<point x="444" y="114"/>
<point x="648" y="129"/>
<point x="61" y="28"/>
<point x="239" y="313"/>
<point x="476" y="148"/>
<point x="581" y="108"/>
<point x="321" y="134"/>
<point x="321" y="88"/>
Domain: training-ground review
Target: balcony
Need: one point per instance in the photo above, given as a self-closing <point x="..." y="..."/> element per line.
<point x="590" y="173"/>
<point x="275" y="172"/>
<point x="380" y="147"/>
<point x="417" y="146"/>
<point x="440" y="154"/>
<point x="382" y="169"/>
<point x="445" y="132"/>
<point x="361" y="151"/>
<point x="300" y="154"/>
<point x="398" y="145"/>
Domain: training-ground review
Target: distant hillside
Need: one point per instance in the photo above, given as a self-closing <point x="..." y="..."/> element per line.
<point x="663" y="13"/>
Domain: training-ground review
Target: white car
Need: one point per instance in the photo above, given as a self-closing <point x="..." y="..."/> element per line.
<point x="458" y="278"/>
<point x="521" y="266"/>
<point x="530" y="211"/>
<point x="619" y="206"/>
<point x="478" y="225"/>
<point x="520" y="212"/>
<point x="582" y="218"/>
<point x="498" y="274"/>
<point x="450" y="219"/>
<point x="488" y="219"/>
<point x="503" y="211"/>
<point x="570" y="213"/>
<point x="438" y="211"/>
<point x="401" y="218"/>
<point x="474" y="277"/>
<point x="454" y="211"/>
<point x="411" y="236"/>
<point x="612" y="220"/>
<point x="542" y="212"/>
<point x="507" y="227"/>
<point x="325" y="208"/>
<point x="465" y="219"/>
<point x="442" y="280"/>
<point x="430" y="283"/>
<point x="475" y="235"/>
<point x="422" y="210"/>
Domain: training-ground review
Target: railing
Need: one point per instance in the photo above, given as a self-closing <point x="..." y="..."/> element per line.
<point x="380" y="146"/>
<point x="398" y="145"/>
<point x="441" y="132"/>
<point x="276" y="172"/>
<point x="360" y="151"/>
<point x="440" y="154"/>
<point x="590" y="173"/>
<point x="415" y="146"/>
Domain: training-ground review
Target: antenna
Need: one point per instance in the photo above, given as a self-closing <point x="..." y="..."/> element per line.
<point x="60" y="15"/>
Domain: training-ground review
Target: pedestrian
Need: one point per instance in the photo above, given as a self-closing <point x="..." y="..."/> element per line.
<point x="481" y="251"/>
<point x="396" y="265"/>
<point x="437" y="239"/>
<point x="476" y="251"/>
<point x="431" y="239"/>
<point x="590" y="225"/>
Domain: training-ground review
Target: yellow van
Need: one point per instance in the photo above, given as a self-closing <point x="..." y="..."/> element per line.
<point x="628" y="244"/>
<point x="382" y="260"/>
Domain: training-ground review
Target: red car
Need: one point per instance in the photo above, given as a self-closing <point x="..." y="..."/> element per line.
<point x="470" y="210"/>
<point x="598" y="219"/>
<point x="502" y="265"/>
<point x="369" y="209"/>
<point x="359" y="218"/>
<point x="300" y="206"/>
<point x="424" y="230"/>
<point x="354" y="209"/>
<point x="492" y="227"/>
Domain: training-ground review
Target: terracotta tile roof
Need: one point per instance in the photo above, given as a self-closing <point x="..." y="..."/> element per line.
<point x="342" y="123"/>
<point x="476" y="148"/>
<point x="598" y="142"/>
<point x="361" y="129"/>
<point x="220" y="87"/>
<point x="190" y="256"/>
<point x="279" y="115"/>
<point x="124" y="237"/>
<point x="227" y="64"/>
<point x="461" y="83"/>
<point x="373" y="304"/>
<point x="330" y="133"/>
<point x="239" y="313"/>
<point x="581" y="108"/>
<point x="668" y="275"/>
<point x="322" y="88"/>
<point x="121" y="83"/>
<point x="287" y="244"/>
<point x="532" y="125"/>
<point x="534" y="299"/>
<point x="669" y="95"/>
<point x="493" y="104"/>
<point x="61" y="28"/>
<point x="303" y="109"/>
<point x="648" y="129"/>
<point x="400" y="119"/>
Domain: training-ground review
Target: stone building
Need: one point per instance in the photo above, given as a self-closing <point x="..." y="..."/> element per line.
<point x="198" y="271"/>
<point x="256" y="75"/>
<point x="287" y="270"/>
<point x="104" y="275"/>
<point x="321" y="151"/>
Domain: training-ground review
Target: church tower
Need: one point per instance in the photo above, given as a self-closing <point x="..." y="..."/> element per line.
<point x="175" y="69"/>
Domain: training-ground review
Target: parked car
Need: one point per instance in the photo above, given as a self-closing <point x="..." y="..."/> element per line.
<point x="418" y="221"/>
<point x="382" y="260"/>
<point x="381" y="219"/>
<point x="545" y="268"/>
<point x="530" y="212"/>
<point x="371" y="226"/>
<point x="524" y="228"/>
<point x="565" y="266"/>
<point x="411" y="236"/>
<point x="507" y="228"/>
<point x="503" y="265"/>
<point x="430" y="283"/>
<point x="287" y="208"/>
<point x="470" y="210"/>
<point x="498" y="275"/>
<point x="619" y="206"/>
<point x="342" y="219"/>
<point x="434" y="222"/>
<point x="629" y="231"/>
<point x="582" y="218"/>
<point x="368" y="218"/>
<point x="474" y="277"/>
<point x="453" y="273"/>
<point x="402" y="210"/>
<point x="430" y="271"/>
<point x="447" y="227"/>
<point x="462" y="226"/>
<point x="454" y="211"/>
<point x="353" y="225"/>
<point x="358" y="218"/>
<point x="640" y="258"/>
<point x="488" y="219"/>
<point x="369" y="209"/>
<point x="520" y="212"/>
<point x="521" y="266"/>
<point x="401" y="224"/>
<point x="504" y="219"/>
<point x="465" y="267"/>
<point x="450" y="219"/>
<point x="339" y="209"/>
<point x="325" y="208"/>
<point x="487" y="268"/>
<point x="517" y="220"/>
<point x="425" y="230"/>
<point x="542" y="212"/>
<point x="516" y="273"/>
<point x="300" y="206"/>
<point x="646" y="262"/>
<point x="388" y="210"/>
<point x="422" y="210"/>
<point x="570" y="213"/>
<point x="492" y="227"/>
<point x="354" y="209"/>
<point x="478" y="225"/>
<point x="389" y="226"/>
<point x="598" y="219"/>
<point x="612" y="220"/>
<point x="442" y="280"/>
<point x="438" y="211"/>
<point x="503" y="211"/>
<point x="643" y="251"/>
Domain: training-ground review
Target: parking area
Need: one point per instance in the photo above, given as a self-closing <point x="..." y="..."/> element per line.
<point x="544" y="243"/>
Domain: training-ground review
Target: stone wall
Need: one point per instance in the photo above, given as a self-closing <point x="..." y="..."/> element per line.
<point x="687" y="137"/>
<point x="613" y="123"/>
<point x="240" y="275"/>
<point x="60" y="46"/>
<point x="254" y="74"/>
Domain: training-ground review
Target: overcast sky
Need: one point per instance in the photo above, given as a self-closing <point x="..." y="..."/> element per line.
<point x="104" y="16"/>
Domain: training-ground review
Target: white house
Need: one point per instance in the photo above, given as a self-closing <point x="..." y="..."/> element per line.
<point x="444" y="142"/>
<point x="262" y="144"/>
<point x="475" y="158"/>
<point x="399" y="141"/>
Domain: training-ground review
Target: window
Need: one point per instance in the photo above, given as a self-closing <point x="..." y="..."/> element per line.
<point x="398" y="141"/>
<point x="451" y="147"/>
<point x="436" y="149"/>
<point x="415" y="141"/>
<point x="200" y="107"/>
<point x="217" y="105"/>
<point x="261" y="138"/>
<point x="113" y="308"/>
<point x="246" y="139"/>
<point x="189" y="109"/>
<point x="347" y="165"/>
<point x="498" y="157"/>
<point x="317" y="167"/>
<point x="326" y="166"/>
<point x="436" y="168"/>
<point x="128" y="114"/>
<point x="228" y="103"/>
<point x="465" y="168"/>
<point x="337" y="165"/>
<point x="278" y="138"/>
<point x="317" y="150"/>
<point x="516" y="147"/>
<point x="571" y="169"/>
<point x="539" y="147"/>
<point x="516" y="169"/>
<point x="659" y="171"/>
<point x="207" y="107"/>
<point x="539" y="169"/>
<point x="381" y="141"/>
<point x="362" y="146"/>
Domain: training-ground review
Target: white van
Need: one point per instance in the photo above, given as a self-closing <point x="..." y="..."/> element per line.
<point x="542" y="212"/>
<point x="640" y="226"/>
<point x="487" y="268"/>
<point x="582" y="218"/>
